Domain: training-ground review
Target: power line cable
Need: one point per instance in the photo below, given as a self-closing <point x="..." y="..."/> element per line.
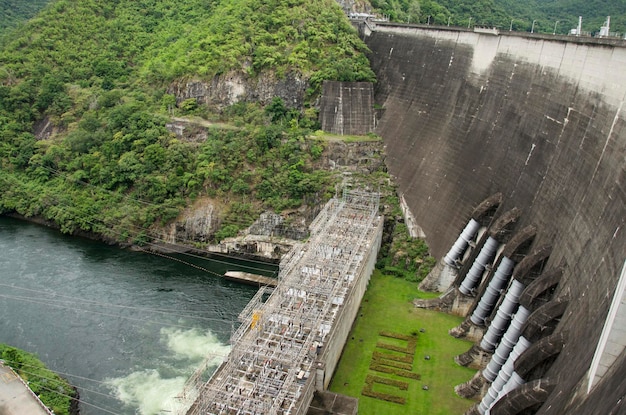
<point x="37" y="301"/>
<point x="21" y="370"/>
<point x="55" y="371"/>
<point x="74" y="300"/>
<point x="168" y="246"/>
<point x="80" y="401"/>
<point x="65" y="176"/>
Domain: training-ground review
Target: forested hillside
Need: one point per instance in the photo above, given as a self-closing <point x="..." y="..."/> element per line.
<point x="84" y="102"/>
<point x="13" y="12"/>
<point x="83" y="110"/>
<point x="509" y="13"/>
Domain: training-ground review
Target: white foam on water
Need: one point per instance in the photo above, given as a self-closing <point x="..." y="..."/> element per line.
<point x="153" y="391"/>
<point x="147" y="390"/>
<point x="193" y="344"/>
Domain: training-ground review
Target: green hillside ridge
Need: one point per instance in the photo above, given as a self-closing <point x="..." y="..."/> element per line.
<point x="13" y="12"/>
<point x="508" y="13"/>
<point x="84" y="103"/>
<point x="98" y="73"/>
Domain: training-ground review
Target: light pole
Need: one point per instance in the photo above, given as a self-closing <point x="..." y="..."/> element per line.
<point x="532" y="29"/>
<point x="511" y="26"/>
<point x="469" y="22"/>
<point x="556" y="23"/>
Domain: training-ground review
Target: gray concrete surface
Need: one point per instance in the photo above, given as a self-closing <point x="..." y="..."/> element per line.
<point x="15" y="397"/>
<point x="542" y="121"/>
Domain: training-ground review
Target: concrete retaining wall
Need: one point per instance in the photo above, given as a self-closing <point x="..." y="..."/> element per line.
<point x="467" y="115"/>
<point x="347" y="108"/>
<point x="347" y="315"/>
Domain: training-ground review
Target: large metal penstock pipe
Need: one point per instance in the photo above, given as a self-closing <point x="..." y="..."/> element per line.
<point x="503" y="316"/>
<point x="459" y="247"/>
<point x="484" y="258"/>
<point x="509" y="341"/>
<point x="504" y="375"/>
<point x="492" y="293"/>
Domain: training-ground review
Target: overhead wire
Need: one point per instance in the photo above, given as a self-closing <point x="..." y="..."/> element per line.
<point x="60" y="174"/>
<point x="20" y="369"/>
<point x="14" y="365"/>
<point x="55" y="371"/>
<point x="142" y="320"/>
<point x="49" y="297"/>
<point x="171" y="247"/>
<point x="175" y="251"/>
<point x="80" y="401"/>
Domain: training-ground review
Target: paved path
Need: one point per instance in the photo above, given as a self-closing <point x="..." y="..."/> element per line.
<point x="15" y="397"/>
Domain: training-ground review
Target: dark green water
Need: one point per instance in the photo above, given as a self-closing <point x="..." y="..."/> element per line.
<point x="127" y="328"/>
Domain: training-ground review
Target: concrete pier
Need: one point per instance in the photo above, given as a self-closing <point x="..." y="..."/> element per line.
<point x="251" y="279"/>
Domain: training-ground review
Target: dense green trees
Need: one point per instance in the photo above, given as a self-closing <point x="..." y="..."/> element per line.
<point x="13" y="12"/>
<point x="83" y="102"/>
<point x="507" y="14"/>
<point x="89" y="78"/>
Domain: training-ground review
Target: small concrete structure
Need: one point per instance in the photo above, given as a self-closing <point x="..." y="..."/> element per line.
<point x="251" y="279"/>
<point x="326" y="402"/>
<point x="16" y="398"/>
<point x="347" y="108"/>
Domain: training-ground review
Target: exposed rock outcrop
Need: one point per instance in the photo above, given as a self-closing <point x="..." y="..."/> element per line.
<point x="236" y="86"/>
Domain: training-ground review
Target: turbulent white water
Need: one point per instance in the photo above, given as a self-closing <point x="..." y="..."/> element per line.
<point x="154" y="392"/>
<point x="128" y="329"/>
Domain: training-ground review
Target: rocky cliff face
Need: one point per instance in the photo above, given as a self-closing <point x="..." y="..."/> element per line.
<point x="197" y="224"/>
<point x="236" y="86"/>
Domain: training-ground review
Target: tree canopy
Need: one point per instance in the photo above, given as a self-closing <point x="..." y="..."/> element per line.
<point x="549" y="15"/>
<point x="84" y="108"/>
<point x="13" y="12"/>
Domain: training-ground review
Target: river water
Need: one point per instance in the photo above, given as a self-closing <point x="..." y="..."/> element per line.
<point x="127" y="328"/>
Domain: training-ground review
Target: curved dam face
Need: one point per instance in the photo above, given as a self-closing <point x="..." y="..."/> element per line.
<point x="542" y="121"/>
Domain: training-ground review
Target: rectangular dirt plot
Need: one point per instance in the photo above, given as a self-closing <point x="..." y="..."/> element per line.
<point x="385" y="389"/>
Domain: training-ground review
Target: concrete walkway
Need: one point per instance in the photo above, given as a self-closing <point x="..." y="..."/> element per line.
<point x="15" y="397"/>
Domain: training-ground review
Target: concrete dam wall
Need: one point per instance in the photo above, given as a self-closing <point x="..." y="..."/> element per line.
<point x="540" y="121"/>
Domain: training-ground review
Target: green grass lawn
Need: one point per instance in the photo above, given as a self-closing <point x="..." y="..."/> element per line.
<point x="324" y="136"/>
<point x="387" y="307"/>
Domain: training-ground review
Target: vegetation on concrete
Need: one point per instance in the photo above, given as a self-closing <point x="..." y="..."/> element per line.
<point x="324" y="136"/>
<point x="55" y="392"/>
<point x="405" y="256"/>
<point x="387" y="307"/>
